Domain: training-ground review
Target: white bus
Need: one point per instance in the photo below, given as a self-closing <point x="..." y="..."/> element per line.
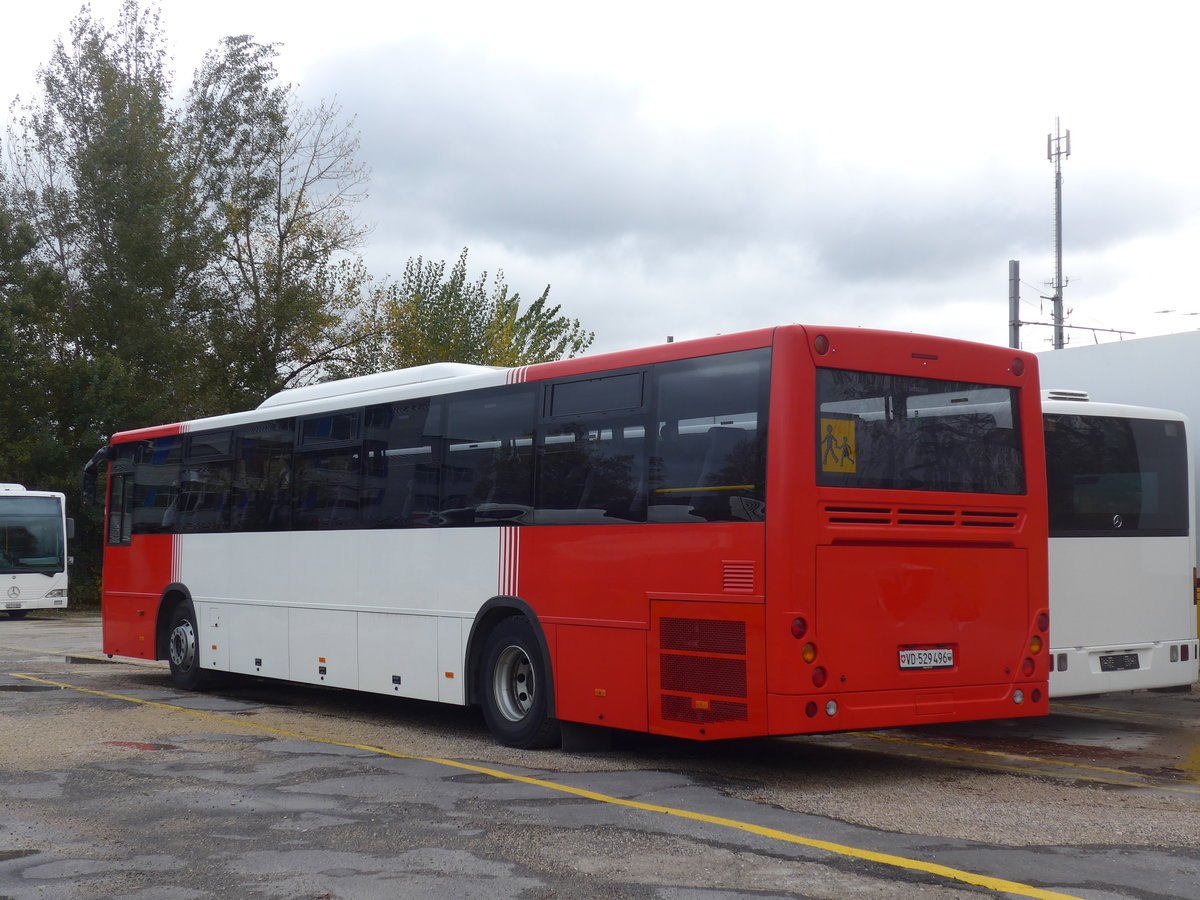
<point x="34" y="530"/>
<point x="1122" y="546"/>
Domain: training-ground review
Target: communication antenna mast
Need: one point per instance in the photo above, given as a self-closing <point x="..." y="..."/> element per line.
<point x="1058" y="147"/>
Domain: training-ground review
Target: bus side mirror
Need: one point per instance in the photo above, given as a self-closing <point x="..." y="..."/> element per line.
<point x="70" y="529"/>
<point x="91" y="476"/>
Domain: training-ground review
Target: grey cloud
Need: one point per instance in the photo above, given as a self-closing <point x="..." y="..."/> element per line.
<point x="548" y="161"/>
<point x="466" y="149"/>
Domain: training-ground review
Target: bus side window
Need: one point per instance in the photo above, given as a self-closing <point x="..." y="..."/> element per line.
<point x="708" y="461"/>
<point x="399" y="481"/>
<point x="592" y="466"/>
<point x="487" y="457"/>
<point x="262" y="477"/>
<point x="591" y="472"/>
<point x="327" y="473"/>
<point x="120" y="496"/>
<point x="156" y="485"/>
<point x="202" y="505"/>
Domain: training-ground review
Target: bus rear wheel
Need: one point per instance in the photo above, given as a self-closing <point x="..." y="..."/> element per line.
<point x="183" y="649"/>
<point x="514" y="687"/>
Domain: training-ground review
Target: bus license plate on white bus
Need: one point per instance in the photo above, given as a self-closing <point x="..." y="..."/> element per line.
<point x="931" y="658"/>
<point x="1119" y="662"/>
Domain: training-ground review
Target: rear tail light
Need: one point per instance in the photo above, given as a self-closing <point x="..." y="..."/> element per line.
<point x="1035" y="645"/>
<point x="799" y="627"/>
<point x="808" y="652"/>
<point x="1027" y="667"/>
<point x="1043" y="622"/>
<point x="819" y="676"/>
<point x="810" y="709"/>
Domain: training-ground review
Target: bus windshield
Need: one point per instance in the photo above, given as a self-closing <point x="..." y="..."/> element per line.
<point x="1116" y="477"/>
<point x="917" y="434"/>
<point x="31" y="535"/>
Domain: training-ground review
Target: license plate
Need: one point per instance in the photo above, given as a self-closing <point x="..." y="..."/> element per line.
<point x="12" y="605"/>
<point x="930" y="658"/>
<point x="1119" y="662"/>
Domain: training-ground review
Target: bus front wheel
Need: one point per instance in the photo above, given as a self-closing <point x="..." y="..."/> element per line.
<point x="183" y="649"/>
<point x="514" y="687"/>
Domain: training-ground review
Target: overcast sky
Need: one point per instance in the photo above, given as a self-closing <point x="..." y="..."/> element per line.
<point x="696" y="168"/>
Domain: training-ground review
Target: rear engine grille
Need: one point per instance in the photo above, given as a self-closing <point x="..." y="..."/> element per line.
<point x="702" y="670"/>
<point x="703" y="636"/>
<point x="681" y="709"/>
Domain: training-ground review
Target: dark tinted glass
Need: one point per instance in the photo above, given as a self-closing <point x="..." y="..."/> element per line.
<point x="709" y="457"/>
<point x="31" y="535"/>
<point x="917" y="434"/>
<point x="261" y="490"/>
<point x="341" y="426"/>
<point x="327" y="473"/>
<point x="156" y="483"/>
<point x="400" y="483"/>
<point x="1114" y="476"/>
<point x="593" y="395"/>
<point x="207" y="444"/>
<point x="202" y="504"/>
<point x="487" y="457"/>
<point x="592" y="472"/>
<point x="120" y="495"/>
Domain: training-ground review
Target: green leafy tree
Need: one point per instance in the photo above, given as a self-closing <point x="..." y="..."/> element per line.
<point x="437" y="316"/>
<point x="95" y="171"/>
<point x="282" y="180"/>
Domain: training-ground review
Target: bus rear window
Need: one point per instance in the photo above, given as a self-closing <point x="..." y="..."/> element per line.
<point x="895" y="432"/>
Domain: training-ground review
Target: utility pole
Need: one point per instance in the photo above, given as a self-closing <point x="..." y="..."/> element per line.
<point x="1014" y="304"/>
<point x="1058" y="147"/>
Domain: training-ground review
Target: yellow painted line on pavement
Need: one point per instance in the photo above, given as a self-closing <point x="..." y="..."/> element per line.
<point x="886" y="859"/>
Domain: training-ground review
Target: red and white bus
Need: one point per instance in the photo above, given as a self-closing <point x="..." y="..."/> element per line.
<point x="781" y="531"/>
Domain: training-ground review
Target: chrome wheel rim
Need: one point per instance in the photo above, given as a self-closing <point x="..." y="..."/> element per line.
<point x="182" y="647"/>
<point x="513" y="684"/>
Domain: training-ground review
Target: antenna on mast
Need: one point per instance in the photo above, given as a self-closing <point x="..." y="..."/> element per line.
<point x="1058" y="147"/>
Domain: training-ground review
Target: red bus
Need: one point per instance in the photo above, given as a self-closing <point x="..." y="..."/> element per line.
<point x="782" y="531"/>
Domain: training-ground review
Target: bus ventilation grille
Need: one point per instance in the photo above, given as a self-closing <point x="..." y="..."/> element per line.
<point x="703" y="670"/>
<point x="937" y="518"/>
<point x="738" y="577"/>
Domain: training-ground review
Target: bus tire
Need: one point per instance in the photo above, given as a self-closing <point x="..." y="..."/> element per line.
<point x="183" y="648"/>
<point x="17" y="613"/>
<point x="513" y="687"/>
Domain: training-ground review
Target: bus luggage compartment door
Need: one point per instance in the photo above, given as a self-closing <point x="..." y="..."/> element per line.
<point x="920" y="617"/>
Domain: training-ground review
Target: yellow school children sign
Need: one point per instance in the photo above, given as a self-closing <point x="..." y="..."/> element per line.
<point x="838" y="448"/>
